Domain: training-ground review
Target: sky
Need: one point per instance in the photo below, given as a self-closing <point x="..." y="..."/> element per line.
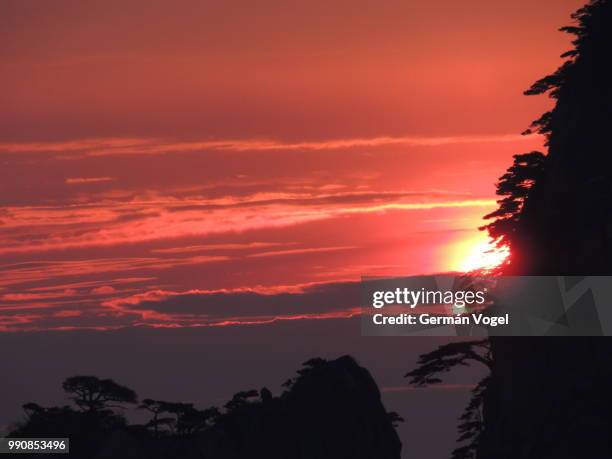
<point x="155" y="154"/>
<point x="222" y="165"/>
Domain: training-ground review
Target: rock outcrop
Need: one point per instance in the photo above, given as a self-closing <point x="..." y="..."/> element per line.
<point x="332" y="411"/>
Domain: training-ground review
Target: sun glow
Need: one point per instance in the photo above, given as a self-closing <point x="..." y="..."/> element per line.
<point x="478" y="253"/>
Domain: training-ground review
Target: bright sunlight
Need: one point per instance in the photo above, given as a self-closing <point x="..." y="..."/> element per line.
<point x="477" y="253"/>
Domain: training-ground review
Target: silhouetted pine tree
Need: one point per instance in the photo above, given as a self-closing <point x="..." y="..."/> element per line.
<point x="433" y="365"/>
<point x="565" y="224"/>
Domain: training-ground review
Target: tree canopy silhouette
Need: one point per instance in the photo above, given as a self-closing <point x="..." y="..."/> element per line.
<point x="554" y="214"/>
<point x="430" y="368"/>
<point x="332" y="410"/>
<point x="513" y="187"/>
<point x="93" y="394"/>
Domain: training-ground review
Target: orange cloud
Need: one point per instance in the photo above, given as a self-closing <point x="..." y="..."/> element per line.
<point x="86" y="180"/>
<point x="103" y="290"/>
<point x="104" y="223"/>
<point x="57" y="269"/>
<point x="155" y="146"/>
<point x="276" y="253"/>
<point x="227" y="246"/>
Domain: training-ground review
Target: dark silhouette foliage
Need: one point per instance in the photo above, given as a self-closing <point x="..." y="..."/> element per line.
<point x="471" y="422"/>
<point x="158" y="422"/>
<point x="395" y="418"/>
<point x="241" y="399"/>
<point x="443" y="359"/>
<point x="513" y="187"/>
<point x="93" y="394"/>
<point x="560" y="223"/>
<point x="332" y="410"/>
<point x="86" y="429"/>
<point x="175" y="418"/>
<point x="564" y="229"/>
<point x="430" y="368"/>
<point x="591" y="43"/>
<point x="555" y="216"/>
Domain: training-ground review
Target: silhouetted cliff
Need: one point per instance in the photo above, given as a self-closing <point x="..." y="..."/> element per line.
<point x="331" y="411"/>
<point x="549" y="397"/>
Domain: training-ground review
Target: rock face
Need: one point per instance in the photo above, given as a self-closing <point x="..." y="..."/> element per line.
<point x="332" y="411"/>
<point x="549" y="398"/>
<point x="338" y="414"/>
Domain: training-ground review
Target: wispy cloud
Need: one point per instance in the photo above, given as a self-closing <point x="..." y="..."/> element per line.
<point x="220" y="246"/>
<point x="19" y="273"/>
<point x="86" y="180"/>
<point x="92" y="284"/>
<point x="112" y="222"/>
<point x="241" y="305"/>
<point x="155" y="146"/>
<point x="277" y="253"/>
<point x="191" y="308"/>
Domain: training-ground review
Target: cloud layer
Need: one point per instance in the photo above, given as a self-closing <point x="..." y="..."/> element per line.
<point x="238" y="236"/>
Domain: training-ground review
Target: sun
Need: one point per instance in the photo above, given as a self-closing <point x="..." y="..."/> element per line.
<point x="478" y="253"/>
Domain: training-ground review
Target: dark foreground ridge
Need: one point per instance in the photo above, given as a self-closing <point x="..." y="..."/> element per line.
<point x="330" y="410"/>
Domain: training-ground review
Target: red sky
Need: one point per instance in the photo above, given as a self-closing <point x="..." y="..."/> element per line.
<point x="159" y="159"/>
